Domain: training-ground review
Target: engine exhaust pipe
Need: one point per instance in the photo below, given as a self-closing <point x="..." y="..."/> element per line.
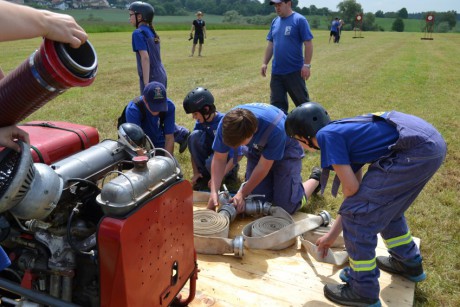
<point x="47" y="73"/>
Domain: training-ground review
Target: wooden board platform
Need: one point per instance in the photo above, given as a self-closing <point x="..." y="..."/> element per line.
<point x="288" y="277"/>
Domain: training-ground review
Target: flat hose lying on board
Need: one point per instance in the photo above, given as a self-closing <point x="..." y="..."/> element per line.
<point x="275" y="231"/>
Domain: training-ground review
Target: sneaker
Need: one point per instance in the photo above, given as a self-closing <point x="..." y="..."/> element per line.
<point x="344" y="275"/>
<point x="184" y="143"/>
<point x="343" y="295"/>
<point x="389" y="264"/>
<point x="316" y="174"/>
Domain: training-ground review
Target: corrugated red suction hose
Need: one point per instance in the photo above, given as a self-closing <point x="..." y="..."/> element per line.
<point x="47" y="73"/>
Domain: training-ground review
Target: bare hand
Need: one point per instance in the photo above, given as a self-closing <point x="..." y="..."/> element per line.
<point x="239" y="202"/>
<point x="9" y="134"/>
<point x="63" y="28"/>
<point x="324" y="243"/>
<point x="212" y="202"/>
<point x="263" y="70"/>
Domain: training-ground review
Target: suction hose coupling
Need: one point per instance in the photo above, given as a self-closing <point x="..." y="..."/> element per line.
<point x="238" y="246"/>
<point x="47" y="73"/>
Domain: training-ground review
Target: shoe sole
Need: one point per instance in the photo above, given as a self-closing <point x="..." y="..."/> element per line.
<point x="333" y="299"/>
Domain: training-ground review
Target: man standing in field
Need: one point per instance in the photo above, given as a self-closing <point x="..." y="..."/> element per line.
<point x="290" y="67"/>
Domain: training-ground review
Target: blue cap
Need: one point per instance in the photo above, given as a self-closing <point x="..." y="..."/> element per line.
<point x="155" y="95"/>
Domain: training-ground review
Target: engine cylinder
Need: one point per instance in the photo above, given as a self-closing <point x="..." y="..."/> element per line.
<point x="125" y="192"/>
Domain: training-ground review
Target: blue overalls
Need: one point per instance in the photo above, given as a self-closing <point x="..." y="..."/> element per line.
<point x="283" y="184"/>
<point x="387" y="190"/>
<point x="157" y="70"/>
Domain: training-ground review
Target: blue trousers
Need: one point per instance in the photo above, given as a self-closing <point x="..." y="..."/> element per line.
<point x="387" y="190"/>
<point x="180" y="133"/>
<point x="283" y="184"/>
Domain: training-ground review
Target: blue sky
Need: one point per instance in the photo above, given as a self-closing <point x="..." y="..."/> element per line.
<point x="412" y="6"/>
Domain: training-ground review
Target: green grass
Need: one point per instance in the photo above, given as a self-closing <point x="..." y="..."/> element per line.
<point x="382" y="71"/>
<point x="116" y="20"/>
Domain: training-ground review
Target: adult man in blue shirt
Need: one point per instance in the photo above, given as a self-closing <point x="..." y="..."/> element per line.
<point x="289" y="34"/>
<point x="274" y="160"/>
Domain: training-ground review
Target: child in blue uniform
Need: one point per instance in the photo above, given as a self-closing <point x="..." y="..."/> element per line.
<point x="200" y="103"/>
<point x="273" y="159"/>
<point x="159" y="127"/>
<point x="146" y="44"/>
<point x="403" y="152"/>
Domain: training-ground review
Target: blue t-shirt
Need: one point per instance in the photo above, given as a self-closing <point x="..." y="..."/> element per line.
<point x="288" y="35"/>
<point x="151" y="124"/>
<point x="266" y="115"/>
<point x="355" y="143"/>
<point x="334" y="26"/>
<point x="143" y="39"/>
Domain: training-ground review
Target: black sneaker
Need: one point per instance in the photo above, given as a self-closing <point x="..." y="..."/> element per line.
<point x="343" y="295"/>
<point x="391" y="265"/>
<point x="183" y="145"/>
<point x="316" y="174"/>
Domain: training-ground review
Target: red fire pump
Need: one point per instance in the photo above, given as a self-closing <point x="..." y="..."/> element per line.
<point x="106" y="224"/>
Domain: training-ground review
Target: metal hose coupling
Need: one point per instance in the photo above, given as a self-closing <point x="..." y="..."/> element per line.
<point x="47" y="73"/>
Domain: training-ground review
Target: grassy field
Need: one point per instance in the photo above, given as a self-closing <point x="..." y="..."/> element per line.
<point x="382" y="71"/>
<point x="115" y="20"/>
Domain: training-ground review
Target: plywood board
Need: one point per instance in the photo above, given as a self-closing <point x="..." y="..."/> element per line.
<point x="289" y="277"/>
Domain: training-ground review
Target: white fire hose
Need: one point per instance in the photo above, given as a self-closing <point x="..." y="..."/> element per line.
<point x="276" y="230"/>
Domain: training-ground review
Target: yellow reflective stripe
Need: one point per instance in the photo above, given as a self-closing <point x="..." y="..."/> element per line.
<point x="304" y="202"/>
<point x="398" y="241"/>
<point x="362" y="265"/>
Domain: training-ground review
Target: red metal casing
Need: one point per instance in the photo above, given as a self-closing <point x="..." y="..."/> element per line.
<point x="147" y="257"/>
<point x="53" y="140"/>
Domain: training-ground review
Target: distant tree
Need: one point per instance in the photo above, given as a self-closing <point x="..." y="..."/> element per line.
<point x="313" y="10"/>
<point x="233" y="17"/>
<point x="391" y="15"/>
<point x="348" y="10"/>
<point x="369" y="23"/>
<point x="450" y="17"/>
<point x="379" y="14"/>
<point x="402" y="13"/>
<point x="443" y="27"/>
<point x="398" y="25"/>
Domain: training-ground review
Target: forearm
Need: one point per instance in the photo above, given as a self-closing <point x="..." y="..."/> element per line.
<point x="308" y="52"/>
<point x="23" y="22"/>
<point x="268" y="53"/>
<point x="169" y="143"/>
<point x="145" y="64"/>
<point x="217" y="171"/>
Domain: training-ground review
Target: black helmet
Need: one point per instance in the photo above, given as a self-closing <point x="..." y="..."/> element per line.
<point x="197" y="99"/>
<point x="306" y="120"/>
<point x="132" y="135"/>
<point x="145" y="9"/>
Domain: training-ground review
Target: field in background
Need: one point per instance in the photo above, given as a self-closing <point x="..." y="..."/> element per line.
<point x="113" y="20"/>
<point x="382" y="71"/>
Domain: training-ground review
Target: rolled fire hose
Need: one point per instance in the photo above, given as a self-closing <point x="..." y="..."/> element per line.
<point x="276" y="231"/>
<point x="211" y="234"/>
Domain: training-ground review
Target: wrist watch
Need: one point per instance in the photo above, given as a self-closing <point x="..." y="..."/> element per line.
<point x="307" y="65"/>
